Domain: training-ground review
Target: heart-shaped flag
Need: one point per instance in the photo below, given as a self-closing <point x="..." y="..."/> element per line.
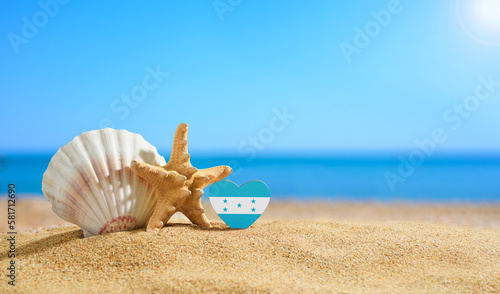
<point x="239" y="207"/>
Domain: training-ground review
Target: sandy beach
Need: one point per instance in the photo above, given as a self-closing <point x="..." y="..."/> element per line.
<point x="294" y="247"/>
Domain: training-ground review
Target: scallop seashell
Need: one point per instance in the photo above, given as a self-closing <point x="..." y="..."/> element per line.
<point x="90" y="183"/>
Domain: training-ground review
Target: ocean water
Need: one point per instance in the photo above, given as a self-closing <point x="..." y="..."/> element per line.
<point x="470" y="178"/>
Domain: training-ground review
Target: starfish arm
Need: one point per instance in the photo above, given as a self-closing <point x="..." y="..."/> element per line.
<point x="179" y="157"/>
<point x="179" y="148"/>
<point x="214" y="174"/>
<point x="165" y="209"/>
<point x="170" y="190"/>
<point x="148" y="172"/>
<point x="196" y="213"/>
<point x="192" y="207"/>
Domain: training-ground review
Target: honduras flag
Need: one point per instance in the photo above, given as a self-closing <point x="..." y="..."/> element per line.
<point x="239" y="207"/>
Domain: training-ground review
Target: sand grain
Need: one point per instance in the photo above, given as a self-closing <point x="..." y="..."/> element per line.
<point x="271" y="256"/>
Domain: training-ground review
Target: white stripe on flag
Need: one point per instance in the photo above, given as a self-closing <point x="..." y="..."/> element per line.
<point x="239" y="205"/>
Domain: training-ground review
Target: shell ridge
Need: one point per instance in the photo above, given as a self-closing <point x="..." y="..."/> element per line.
<point x="110" y="148"/>
<point x="88" y="172"/>
<point x="134" y="183"/>
<point x="123" y="140"/>
<point x="98" y="156"/>
<point x="98" y="191"/>
<point x="82" y="175"/>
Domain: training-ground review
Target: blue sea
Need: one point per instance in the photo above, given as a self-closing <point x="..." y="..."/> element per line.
<point x="457" y="178"/>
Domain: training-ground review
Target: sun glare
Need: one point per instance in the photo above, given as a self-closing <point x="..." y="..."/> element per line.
<point x="480" y="19"/>
<point x="487" y="13"/>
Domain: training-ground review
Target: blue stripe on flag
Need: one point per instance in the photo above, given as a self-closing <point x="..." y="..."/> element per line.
<point x="239" y="221"/>
<point x="224" y="188"/>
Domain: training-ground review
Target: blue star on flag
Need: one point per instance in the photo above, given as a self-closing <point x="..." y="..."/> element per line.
<point x="225" y="200"/>
<point x="253" y="209"/>
<point x="253" y="200"/>
<point x="239" y="205"/>
<point x="225" y="209"/>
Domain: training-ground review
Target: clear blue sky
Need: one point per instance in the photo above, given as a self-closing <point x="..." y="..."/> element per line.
<point x="227" y="71"/>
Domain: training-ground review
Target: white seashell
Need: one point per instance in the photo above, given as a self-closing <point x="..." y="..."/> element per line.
<point x="90" y="183"/>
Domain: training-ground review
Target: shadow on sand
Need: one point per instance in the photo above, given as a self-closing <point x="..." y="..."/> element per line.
<point x="50" y="241"/>
<point x="45" y="243"/>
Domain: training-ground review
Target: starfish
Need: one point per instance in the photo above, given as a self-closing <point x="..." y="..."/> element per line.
<point x="178" y="185"/>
